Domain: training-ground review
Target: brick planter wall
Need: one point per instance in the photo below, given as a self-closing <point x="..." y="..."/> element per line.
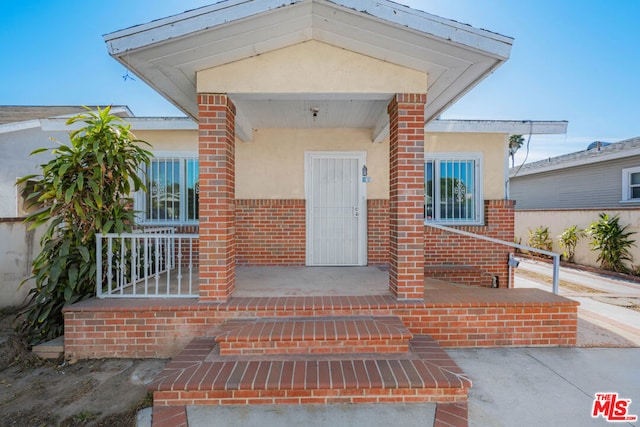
<point x="442" y="247"/>
<point x="270" y="232"/>
<point x="476" y="318"/>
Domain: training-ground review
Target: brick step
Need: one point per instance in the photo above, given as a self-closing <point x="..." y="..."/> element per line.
<point x="314" y="335"/>
<point x="461" y="274"/>
<point x="201" y="376"/>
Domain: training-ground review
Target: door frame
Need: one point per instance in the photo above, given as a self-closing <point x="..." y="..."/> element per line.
<point x="361" y="157"/>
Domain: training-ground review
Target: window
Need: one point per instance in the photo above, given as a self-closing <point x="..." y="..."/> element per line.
<point x="26" y="205"/>
<point x="172" y="191"/>
<point x="631" y="184"/>
<point x="453" y="188"/>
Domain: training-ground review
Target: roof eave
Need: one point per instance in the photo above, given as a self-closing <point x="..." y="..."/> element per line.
<point x="177" y="83"/>
<point x="511" y="127"/>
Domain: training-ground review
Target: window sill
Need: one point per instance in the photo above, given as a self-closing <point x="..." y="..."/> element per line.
<point x="167" y="223"/>
<point x="455" y="224"/>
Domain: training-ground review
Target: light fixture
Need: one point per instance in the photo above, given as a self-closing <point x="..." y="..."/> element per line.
<point x="513" y="261"/>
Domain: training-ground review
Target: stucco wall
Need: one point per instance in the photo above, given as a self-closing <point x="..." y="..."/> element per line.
<point x="272" y="165"/>
<point x="18" y="247"/>
<point x="16" y="162"/>
<point x="559" y="220"/>
<point x="169" y="140"/>
<point x="304" y="67"/>
<point x="493" y="147"/>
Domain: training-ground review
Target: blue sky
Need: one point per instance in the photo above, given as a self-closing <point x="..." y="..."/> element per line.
<point x="575" y="60"/>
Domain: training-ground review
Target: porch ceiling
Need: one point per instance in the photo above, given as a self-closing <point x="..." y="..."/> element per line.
<point x="168" y="53"/>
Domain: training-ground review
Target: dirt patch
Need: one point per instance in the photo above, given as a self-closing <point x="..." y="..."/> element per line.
<point x="563" y="283"/>
<point x="37" y="392"/>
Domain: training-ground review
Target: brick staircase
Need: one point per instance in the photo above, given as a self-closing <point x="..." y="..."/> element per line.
<point x="312" y="335"/>
<point x="312" y="360"/>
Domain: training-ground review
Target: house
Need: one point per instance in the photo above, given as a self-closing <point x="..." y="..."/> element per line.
<point x="309" y="208"/>
<point x="574" y="188"/>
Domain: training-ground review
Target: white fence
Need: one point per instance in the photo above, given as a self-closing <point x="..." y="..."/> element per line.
<point x="152" y="263"/>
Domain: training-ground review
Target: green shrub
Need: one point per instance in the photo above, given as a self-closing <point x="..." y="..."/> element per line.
<point x="84" y="190"/>
<point x="612" y="242"/>
<point x="540" y="239"/>
<point x="569" y="240"/>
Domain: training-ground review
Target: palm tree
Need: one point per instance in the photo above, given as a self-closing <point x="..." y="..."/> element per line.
<point x="515" y="142"/>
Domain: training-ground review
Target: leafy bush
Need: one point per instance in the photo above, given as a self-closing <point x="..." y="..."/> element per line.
<point x="612" y="242"/>
<point x="84" y="190"/>
<point x="569" y="240"/>
<point x="540" y="239"/>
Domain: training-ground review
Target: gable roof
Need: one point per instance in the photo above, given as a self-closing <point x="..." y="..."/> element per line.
<point x="618" y="150"/>
<point x="21" y="113"/>
<point x="168" y="53"/>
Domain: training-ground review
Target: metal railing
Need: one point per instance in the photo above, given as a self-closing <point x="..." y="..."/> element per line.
<point x="151" y="263"/>
<point x="555" y="256"/>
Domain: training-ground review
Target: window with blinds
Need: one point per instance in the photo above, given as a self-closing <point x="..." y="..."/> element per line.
<point x="453" y="189"/>
<point x="172" y="191"/>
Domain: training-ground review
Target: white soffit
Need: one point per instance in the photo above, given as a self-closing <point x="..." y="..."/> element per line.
<point x="168" y="52"/>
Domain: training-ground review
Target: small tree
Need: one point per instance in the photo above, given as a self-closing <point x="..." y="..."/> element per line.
<point x="569" y="240"/>
<point x="84" y="190"/>
<point x="515" y="143"/>
<point x="612" y="242"/>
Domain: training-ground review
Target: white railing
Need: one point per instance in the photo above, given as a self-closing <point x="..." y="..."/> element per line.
<point x="555" y="256"/>
<point x="149" y="263"/>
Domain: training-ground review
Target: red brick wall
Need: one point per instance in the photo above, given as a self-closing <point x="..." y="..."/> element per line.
<point x="188" y="248"/>
<point x="135" y="328"/>
<point x="447" y="248"/>
<point x="270" y="232"/>
<point x="442" y="249"/>
<point x="378" y="232"/>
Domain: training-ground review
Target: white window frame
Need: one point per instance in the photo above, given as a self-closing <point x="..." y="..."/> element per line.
<point x="140" y="199"/>
<point x="477" y="158"/>
<point x="627" y="186"/>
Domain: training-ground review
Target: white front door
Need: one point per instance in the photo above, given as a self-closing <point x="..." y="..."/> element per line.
<point x="336" y="208"/>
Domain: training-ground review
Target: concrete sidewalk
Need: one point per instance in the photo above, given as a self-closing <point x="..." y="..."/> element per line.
<point x="547" y="386"/>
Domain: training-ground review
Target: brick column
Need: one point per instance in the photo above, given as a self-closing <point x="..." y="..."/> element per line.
<point x="216" y="148"/>
<point x="406" y="198"/>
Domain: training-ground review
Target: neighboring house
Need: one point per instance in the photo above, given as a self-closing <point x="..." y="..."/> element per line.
<point x="314" y="145"/>
<point x="574" y="188"/>
<point x="22" y="130"/>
